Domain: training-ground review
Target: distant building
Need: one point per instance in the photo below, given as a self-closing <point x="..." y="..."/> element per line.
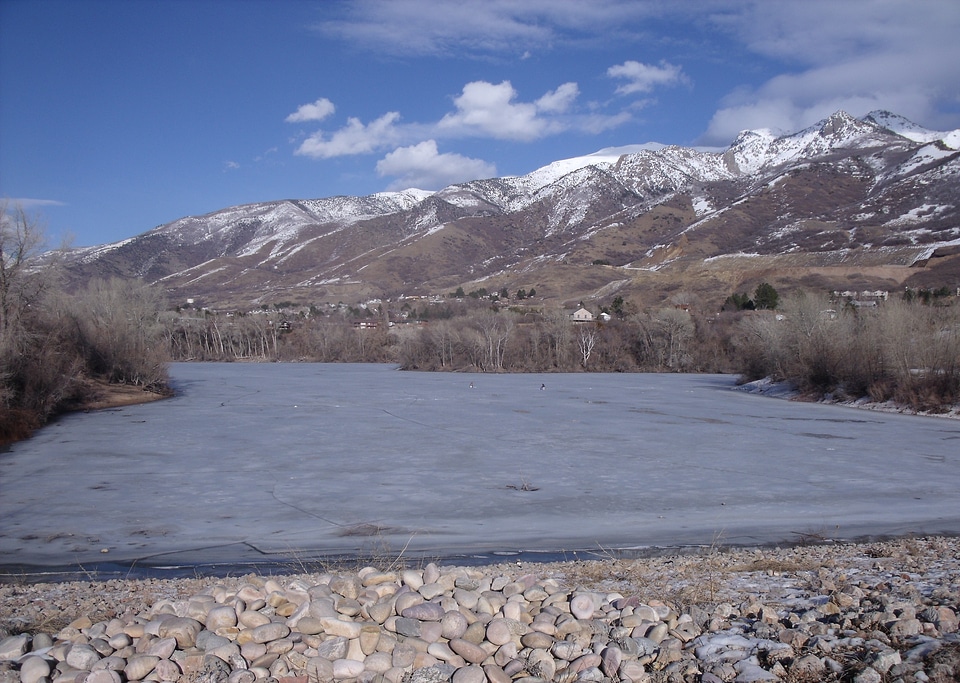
<point x="581" y="315"/>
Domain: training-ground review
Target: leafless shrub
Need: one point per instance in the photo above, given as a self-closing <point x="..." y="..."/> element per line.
<point x="905" y="351"/>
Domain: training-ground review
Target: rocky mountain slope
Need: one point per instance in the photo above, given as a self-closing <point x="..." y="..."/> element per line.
<point x="871" y="203"/>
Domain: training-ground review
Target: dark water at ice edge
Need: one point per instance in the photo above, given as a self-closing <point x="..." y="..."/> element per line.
<point x="109" y="571"/>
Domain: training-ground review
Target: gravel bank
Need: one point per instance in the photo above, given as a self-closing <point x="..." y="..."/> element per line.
<point x="872" y="612"/>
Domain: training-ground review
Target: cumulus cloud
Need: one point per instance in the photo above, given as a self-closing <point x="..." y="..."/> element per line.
<point x="423" y="167"/>
<point x="857" y="56"/>
<point x="559" y="100"/>
<point x="643" y="78"/>
<point x="354" y="138"/>
<point x="489" y="109"/>
<point x="315" y="111"/>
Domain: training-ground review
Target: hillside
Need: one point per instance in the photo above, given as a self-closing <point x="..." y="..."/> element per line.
<point x="848" y="204"/>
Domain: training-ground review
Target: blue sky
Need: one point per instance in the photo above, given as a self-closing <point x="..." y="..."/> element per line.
<point x="119" y="115"/>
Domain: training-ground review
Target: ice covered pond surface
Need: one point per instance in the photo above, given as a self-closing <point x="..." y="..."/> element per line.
<point x="287" y="463"/>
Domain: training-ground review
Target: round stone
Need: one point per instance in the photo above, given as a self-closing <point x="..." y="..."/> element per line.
<point x="453" y="625"/>
<point x="184" y="629"/>
<point x="431" y="573"/>
<point x="535" y="640"/>
<point x="469" y="651"/>
<point x="103" y="676"/>
<point x="310" y="626"/>
<point x="369" y="639"/>
<point x="347" y="668"/>
<point x="221" y="616"/>
<point x="138" y="667"/>
<point x="33" y="668"/>
<point x="501" y="631"/>
<point x="411" y="578"/>
<point x="268" y="632"/>
<point x="495" y="674"/>
<point x="469" y="674"/>
<point x="167" y="670"/>
<point x="162" y="647"/>
<point x="582" y="606"/>
<point x="337" y="627"/>
<point x="241" y="676"/>
<point x="425" y="611"/>
<point x="82" y="657"/>
<point x="252" y="619"/>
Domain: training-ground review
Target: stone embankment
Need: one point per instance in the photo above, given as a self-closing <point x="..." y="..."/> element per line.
<point x="867" y="613"/>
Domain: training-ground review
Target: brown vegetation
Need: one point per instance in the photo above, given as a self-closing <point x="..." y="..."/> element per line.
<point x="905" y="351"/>
<point x="54" y="345"/>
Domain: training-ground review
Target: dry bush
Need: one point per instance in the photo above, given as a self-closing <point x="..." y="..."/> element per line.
<point x="120" y="331"/>
<point x="908" y="352"/>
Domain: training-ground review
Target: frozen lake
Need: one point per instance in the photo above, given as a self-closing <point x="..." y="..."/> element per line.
<point x="290" y="463"/>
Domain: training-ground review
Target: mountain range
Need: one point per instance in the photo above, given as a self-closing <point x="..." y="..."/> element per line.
<point x="850" y="203"/>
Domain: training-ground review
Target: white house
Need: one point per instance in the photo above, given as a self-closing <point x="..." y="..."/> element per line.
<point x="581" y="315"/>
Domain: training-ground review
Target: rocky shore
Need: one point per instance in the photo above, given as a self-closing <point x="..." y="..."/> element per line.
<point x="869" y="613"/>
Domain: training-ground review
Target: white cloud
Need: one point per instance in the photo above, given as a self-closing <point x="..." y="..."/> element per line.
<point x="315" y="111"/>
<point x="354" y="138"/>
<point x="856" y="55"/>
<point x="28" y="203"/>
<point x="422" y="166"/>
<point x="487" y="109"/>
<point x="643" y="78"/>
<point x="478" y="28"/>
<point x="230" y="165"/>
<point x="559" y="100"/>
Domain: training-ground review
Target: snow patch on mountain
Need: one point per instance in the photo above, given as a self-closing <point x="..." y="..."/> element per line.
<point x="920" y="214"/>
<point x="925" y="156"/>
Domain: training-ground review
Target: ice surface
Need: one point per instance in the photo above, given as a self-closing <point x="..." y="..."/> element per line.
<point x="254" y="462"/>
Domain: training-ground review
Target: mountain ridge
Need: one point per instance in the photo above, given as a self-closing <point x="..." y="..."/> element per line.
<point x="871" y="201"/>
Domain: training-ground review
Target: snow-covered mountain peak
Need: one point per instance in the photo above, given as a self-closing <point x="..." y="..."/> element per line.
<point x="906" y="128"/>
<point x="552" y="172"/>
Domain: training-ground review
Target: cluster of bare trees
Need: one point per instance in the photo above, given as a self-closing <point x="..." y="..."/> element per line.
<point x="662" y="340"/>
<point x="52" y="343"/>
<point x="901" y="350"/>
<point x="477" y="338"/>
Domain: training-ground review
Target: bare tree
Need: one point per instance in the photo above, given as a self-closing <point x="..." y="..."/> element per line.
<point x="559" y="329"/>
<point x="586" y="340"/>
<point x="494" y="329"/>
<point x="121" y="326"/>
<point x="21" y="239"/>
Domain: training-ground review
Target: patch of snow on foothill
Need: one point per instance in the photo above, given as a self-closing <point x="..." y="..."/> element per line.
<point x="702" y="205"/>
<point x="90" y="254"/>
<point x="739" y="254"/>
<point x="919" y="214"/>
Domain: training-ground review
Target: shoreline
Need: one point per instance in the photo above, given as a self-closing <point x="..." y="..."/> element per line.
<point x="834" y="610"/>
